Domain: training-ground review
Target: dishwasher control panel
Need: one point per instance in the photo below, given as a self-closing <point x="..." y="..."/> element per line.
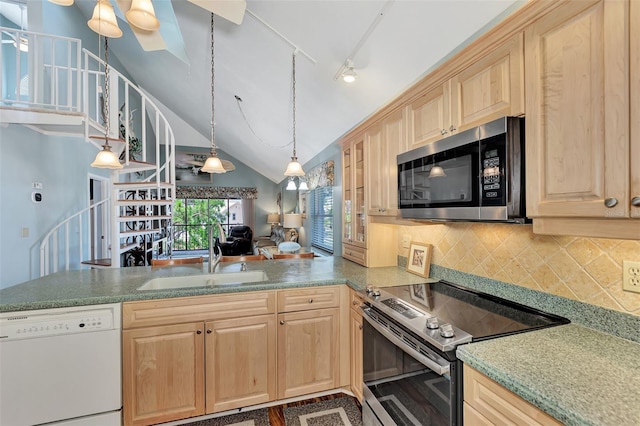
<point x="32" y="325"/>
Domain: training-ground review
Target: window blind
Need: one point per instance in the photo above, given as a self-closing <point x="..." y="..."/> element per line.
<point x="321" y="213"/>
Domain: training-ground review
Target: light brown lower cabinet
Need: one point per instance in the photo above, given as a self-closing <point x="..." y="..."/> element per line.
<point x="356" y="354"/>
<point x="220" y="354"/>
<point x="218" y="357"/>
<point x="308" y="351"/>
<point x="240" y="362"/>
<point x="163" y="373"/>
<point x="488" y="403"/>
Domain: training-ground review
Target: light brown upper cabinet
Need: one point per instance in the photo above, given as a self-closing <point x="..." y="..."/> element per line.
<point x="490" y="88"/>
<point x="360" y="237"/>
<point x="384" y="142"/>
<point x="634" y="31"/>
<point x="578" y="131"/>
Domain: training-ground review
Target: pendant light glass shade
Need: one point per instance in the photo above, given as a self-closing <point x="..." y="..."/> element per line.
<point x="213" y="165"/>
<point x="303" y="186"/>
<point x="104" y="20"/>
<point x="291" y="186"/>
<point x="142" y="15"/>
<point x="294" y="168"/>
<point x="106" y="159"/>
<point x="62" y="2"/>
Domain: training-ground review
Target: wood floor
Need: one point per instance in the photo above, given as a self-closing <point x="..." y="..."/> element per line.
<point x="276" y="414"/>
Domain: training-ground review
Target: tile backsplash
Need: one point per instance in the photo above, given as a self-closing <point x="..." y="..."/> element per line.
<point x="584" y="269"/>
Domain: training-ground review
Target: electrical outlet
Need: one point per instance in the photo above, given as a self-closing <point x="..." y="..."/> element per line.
<point x="631" y="276"/>
<point x="406" y="240"/>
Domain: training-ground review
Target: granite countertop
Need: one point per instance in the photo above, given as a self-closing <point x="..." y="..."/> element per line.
<point x="576" y="374"/>
<point x="112" y="285"/>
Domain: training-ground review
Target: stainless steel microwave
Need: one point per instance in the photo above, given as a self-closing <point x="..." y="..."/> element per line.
<point x="475" y="175"/>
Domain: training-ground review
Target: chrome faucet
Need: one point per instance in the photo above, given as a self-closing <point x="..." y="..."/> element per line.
<point x="214" y="258"/>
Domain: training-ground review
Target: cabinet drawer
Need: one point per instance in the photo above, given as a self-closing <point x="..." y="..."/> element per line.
<point x="304" y="299"/>
<point x="497" y="405"/>
<point x="200" y="308"/>
<point x="355" y="254"/>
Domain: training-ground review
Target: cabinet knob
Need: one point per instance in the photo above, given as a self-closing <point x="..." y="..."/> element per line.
<point x="355" y="302"/>
<point x="310" y="300"/>
<point x="209" y="331"/>
<point x="611" y="202"/>
<point x="443" y="131"/>
<point x="199" y="332"/>
<point x="281" y="322"/>
<point x="360" y="327"/>
<point x="452" y="128"/>
<point x="635" y="201"/>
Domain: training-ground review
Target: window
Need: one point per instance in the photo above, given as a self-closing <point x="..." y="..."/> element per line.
<point x="192" y="218"/>
<point x="321" y="214"/>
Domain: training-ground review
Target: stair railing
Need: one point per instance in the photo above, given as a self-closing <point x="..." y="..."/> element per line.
<point x="132" y="114"/>
<point x="59" y="240"/>
<point x="46" y="71"/>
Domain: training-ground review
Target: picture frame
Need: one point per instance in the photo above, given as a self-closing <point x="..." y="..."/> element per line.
<point x="419" y="259"/>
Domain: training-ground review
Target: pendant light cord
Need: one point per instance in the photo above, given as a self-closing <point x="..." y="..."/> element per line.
<point x="213" y="143"/>
<point x="294" y="103"/>
<point x="106" y="89"/>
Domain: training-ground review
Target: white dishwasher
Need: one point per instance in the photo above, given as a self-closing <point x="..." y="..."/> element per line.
<point x="61" y="366"/>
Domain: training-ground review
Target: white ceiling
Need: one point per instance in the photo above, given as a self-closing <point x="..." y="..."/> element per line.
<point x="254" y="63"/>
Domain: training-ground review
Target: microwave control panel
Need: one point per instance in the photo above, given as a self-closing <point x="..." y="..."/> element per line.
<point x="492" y="175"/>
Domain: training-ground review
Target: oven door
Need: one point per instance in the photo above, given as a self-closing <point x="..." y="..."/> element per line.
<point x="404" y="383"/>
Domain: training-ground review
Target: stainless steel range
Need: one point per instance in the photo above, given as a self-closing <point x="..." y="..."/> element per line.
<point x="411" y="373"/>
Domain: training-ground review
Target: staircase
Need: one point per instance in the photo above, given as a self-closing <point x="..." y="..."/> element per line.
<point x="59" y="92"/>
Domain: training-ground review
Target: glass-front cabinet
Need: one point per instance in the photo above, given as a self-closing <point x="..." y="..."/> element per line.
<point x="354" y="209"/>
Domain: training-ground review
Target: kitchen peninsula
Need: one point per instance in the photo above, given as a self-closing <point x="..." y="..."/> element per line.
<point x="602" y="396"/>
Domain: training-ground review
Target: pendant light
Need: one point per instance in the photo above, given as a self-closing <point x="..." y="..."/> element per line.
<point x="104" y="20"/>
<point x="291" y="185"/>
<point x="213" y="163"/>
<point x="294" y="168"/>
<point x="142" y="15"/>
<point x="106" y="159"/>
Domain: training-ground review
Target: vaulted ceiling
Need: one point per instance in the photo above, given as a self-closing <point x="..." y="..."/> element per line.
<point x="253" y="62"/>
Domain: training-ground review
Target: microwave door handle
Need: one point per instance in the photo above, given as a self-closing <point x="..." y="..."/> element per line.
<point x="441" y="369"/>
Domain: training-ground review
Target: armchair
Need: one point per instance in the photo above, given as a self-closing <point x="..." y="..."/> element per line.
<point x="238" y="242"/>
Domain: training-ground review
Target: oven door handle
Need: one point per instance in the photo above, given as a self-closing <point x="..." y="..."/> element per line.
<point x="441" y="368"/>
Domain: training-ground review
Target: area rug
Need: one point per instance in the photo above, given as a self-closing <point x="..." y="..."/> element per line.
<point x="334" y="412"/>
<point x="248" y="418"/>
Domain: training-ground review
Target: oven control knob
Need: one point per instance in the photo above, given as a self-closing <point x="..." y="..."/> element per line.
<point x="375" y="292"/>
<point x="446" y="330"/>
<point x="432" y="323"/>
<point x="369" y="289"/>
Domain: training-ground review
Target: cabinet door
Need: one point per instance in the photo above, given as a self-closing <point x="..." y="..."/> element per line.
<point x="376" y="160"/>
<point x="634" y="73"/>
<point x="491" y="88"/>
<point x="240" y="362"/>
<point x="384" y="142"/>
<point x="577" y="111"/>
<point x="163" y="374"/>
<point x="307" y="352"/>
<point x="429" y="117"/>
<point x="356" y="353"/>
<point x="347" y="194"/>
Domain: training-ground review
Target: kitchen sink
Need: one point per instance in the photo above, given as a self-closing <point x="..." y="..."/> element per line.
<point x="209" y="280"/>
